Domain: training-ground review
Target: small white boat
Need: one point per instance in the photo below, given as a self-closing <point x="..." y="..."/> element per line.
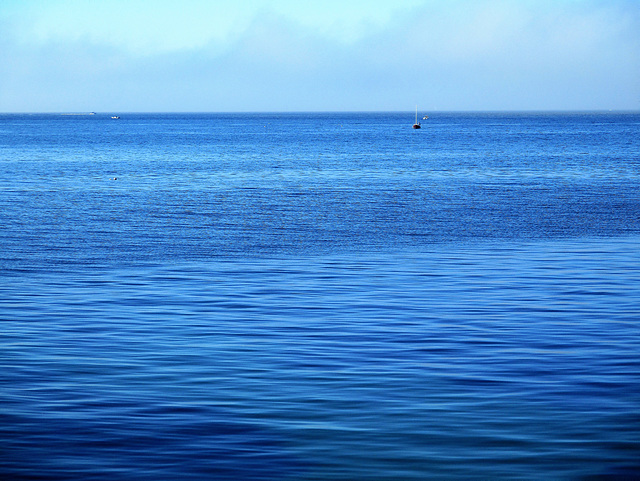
<point x="115" y="117"/>
<point x="425" y="117"/>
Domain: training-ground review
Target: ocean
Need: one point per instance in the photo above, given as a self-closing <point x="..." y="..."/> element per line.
<point x="313" y="296"/>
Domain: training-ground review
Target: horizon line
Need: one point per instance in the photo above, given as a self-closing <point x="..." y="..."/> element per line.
<point x="248" y="112"/>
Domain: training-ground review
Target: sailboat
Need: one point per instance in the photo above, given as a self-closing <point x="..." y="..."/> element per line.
<point x="417" y="124"/>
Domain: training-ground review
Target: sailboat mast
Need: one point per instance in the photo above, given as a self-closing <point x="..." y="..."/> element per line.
<point x="416" y="125"/>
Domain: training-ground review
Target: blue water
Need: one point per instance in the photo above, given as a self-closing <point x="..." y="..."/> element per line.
<point x="320" y="296"/>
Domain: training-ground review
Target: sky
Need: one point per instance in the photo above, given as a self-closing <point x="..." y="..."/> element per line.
<point x="329" y="55"/>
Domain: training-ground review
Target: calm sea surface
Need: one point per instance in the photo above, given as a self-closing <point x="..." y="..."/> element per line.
<point x="320" y="296"/>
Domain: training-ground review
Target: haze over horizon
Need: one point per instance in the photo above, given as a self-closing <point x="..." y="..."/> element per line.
<point x="283" y="55"/>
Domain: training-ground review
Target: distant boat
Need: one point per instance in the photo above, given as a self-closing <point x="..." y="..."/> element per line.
<point x="425" y="117"/>
<point x="115" y="117"/>
<point x="417" y="124"/>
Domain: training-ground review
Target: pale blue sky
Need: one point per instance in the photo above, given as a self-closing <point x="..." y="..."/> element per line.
<point x="330" y="55"/>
